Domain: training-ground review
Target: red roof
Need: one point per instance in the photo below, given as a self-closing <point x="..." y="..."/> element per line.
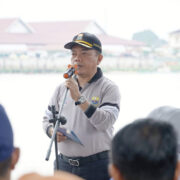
<point x="5" y="23"/>
<point x="61" y="27"/>
<point x="111" y="40"/>
<point x="53" y="33"/>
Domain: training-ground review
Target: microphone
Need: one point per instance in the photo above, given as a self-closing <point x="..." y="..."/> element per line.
<point x="70" y="71"/>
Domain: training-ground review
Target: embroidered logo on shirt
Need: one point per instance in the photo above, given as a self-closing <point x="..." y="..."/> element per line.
<point x="95" y="100"/>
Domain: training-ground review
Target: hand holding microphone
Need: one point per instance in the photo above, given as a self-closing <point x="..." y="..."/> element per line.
<point x="71" y="83"/>
<point x="70" y="71"/>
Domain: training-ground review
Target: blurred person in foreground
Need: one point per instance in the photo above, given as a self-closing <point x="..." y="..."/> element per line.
<point x="171" y="115"/>
<point x="91" y="108"/>
<point x="61" y="175"/>
<point x="146" y="149"/>
<point x="9" y="155"/>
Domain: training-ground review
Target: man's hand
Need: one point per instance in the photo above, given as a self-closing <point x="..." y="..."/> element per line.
<point x="59" y="135"/>
<point x="73" y="87"/>
<point x="75" y="94"/>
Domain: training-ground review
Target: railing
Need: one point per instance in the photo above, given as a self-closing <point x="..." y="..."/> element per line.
<point x="38" y="65"/>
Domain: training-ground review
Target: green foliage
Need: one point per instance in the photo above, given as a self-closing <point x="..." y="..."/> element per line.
<point x="149" y="38"/>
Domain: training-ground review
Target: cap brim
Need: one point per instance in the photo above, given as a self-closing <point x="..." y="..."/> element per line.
<point x="71" y="44"/>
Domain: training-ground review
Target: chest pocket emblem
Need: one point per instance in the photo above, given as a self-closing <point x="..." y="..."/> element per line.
<point x="95" y="100"/>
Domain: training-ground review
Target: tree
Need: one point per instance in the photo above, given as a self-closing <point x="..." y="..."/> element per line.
<point x="149" y="38"/>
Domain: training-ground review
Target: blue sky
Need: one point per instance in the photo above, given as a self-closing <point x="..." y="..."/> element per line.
<point x="118" y="17"/>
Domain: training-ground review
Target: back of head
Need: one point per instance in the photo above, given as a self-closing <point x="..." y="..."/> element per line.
<point x="145" y="150"/>
<point x="6" y="142"/>
<point x="168" y="114"/>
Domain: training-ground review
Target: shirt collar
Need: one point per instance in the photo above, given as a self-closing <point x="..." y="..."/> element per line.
<point x="98" y="75"/>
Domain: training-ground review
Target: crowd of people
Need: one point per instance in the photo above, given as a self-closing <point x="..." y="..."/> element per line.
<point x="147" y="148"/>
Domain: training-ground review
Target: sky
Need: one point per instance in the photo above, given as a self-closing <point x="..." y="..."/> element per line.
<point x="120" y="18"/>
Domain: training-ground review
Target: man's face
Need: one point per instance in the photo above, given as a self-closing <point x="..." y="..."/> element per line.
<point x="86" y="60"/>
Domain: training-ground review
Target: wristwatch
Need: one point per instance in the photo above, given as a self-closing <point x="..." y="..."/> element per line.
<point x="81" y="100"/>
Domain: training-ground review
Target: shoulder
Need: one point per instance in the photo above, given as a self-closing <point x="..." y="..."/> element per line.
<point x="61" y="86"/>
<point x="107" y="88"/>
<point x="59" y="89"/>
<point x="107" y="83"/>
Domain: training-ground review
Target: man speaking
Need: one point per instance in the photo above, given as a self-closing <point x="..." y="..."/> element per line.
<point x="91" y="108"/>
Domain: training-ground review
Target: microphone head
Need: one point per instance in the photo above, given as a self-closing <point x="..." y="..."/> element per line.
<point x="70" y="71"/>
<point x="70" y="66"/>
<point x="66" y="76"/>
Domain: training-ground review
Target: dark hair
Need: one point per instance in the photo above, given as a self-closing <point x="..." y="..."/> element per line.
<point x="145" y="150"/>
<point x="4" y="166"/>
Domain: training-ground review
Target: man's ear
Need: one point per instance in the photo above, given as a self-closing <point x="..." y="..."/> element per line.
<point x="15" y="157"/>
<point x="177" y="171"/>
<point x="100" y="57"/>
<point x="114" y="172"/>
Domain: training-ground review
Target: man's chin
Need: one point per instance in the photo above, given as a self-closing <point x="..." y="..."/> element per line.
<point x="79" y="72"/>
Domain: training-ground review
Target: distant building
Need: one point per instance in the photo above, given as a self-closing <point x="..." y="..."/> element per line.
<point x="174" y="39"/>
<point x="18" y="36"/>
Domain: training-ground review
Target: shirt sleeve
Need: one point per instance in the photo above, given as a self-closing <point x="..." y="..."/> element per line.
<point x="107" y="113"/>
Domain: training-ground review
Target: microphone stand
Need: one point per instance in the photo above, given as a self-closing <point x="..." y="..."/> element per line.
<point x="56" y="121"/>
<point x="54" y="112"/>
